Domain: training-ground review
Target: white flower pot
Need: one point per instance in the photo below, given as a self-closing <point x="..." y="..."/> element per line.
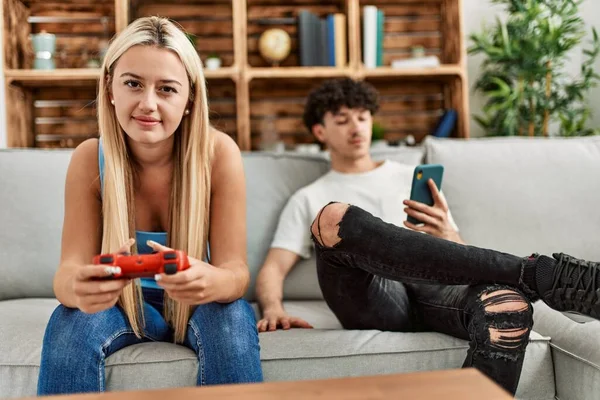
<point x="213" y="63"/>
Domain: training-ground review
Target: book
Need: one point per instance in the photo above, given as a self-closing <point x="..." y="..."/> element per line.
<point x="417" y="62"/>
<point x="370" y="36"/>
<point x="446" y="124"/>
<point x="316" y="40"/>
<point x="323" y="44"/>
<point x="331" y="40"/>
<point x="322" y="41"/>
<point x="341" y="57"/>
<point x="304" y="37"/>
<point x="380" y="36"/>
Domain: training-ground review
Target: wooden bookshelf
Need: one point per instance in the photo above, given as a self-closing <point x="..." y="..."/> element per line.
<point x="249" y="99"/>
<point x="299" y="72"/>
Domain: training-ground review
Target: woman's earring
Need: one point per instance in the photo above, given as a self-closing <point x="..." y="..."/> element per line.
<point x="112" y="101"/>
<point x="187" y="112"/>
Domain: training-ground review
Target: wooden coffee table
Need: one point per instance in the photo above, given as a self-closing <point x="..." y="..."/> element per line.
<point x="463" y="384"/>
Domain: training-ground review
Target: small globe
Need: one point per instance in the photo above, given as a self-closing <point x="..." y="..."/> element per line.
<point x="274" y="45"/>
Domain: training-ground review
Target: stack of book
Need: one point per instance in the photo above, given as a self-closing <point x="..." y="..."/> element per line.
<point x="372" y="36"/>
<point x="322" y="41"/>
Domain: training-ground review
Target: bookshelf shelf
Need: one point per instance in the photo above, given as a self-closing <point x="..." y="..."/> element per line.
<point x="32" y="76"/>
<point x="249" y="99"/>
<point x="443" y="70"/>
<point x="299" y="72"/>
<point x="29" y="76"/>
<point x="221" y="73"/>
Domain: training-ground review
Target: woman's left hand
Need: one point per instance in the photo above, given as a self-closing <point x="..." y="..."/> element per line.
<point x="201" y="283"/>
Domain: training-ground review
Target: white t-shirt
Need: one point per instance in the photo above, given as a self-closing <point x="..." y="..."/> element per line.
<point x="379" y="191"/>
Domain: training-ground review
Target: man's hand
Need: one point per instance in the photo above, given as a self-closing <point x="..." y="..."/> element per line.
<point x="273" y="319"/>
<point x="434" y="218"/>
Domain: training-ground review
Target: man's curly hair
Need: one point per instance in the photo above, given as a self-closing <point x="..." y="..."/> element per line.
<point x="333" y="94"/>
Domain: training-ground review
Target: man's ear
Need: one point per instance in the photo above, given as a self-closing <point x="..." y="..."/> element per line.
<point x="319" y="131"/>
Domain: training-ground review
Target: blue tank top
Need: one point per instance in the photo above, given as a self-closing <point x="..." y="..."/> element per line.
<point x="141" y="237"/>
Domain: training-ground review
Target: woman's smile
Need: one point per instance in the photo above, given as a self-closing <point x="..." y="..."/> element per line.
<point x="146" y="121"/>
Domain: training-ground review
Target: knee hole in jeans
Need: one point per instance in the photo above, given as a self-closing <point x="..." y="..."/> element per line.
<point x="508" y="339"/>
<point x="325" y="227"/>
<point x="510" y="316"/>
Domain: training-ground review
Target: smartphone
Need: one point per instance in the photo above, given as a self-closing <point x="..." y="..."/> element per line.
<point x="420" y="189"/>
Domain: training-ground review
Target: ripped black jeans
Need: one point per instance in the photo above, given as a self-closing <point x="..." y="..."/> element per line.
<point x="380" y="276"/>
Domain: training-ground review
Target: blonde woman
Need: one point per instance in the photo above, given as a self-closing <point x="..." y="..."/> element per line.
<point x="159" y="176"/>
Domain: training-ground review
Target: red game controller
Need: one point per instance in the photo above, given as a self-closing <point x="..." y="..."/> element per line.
<point x="145" y="265"/>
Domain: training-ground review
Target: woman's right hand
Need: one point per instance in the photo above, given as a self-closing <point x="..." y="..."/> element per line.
<point x="94" y="294"/>
<point x="273" y="319"/>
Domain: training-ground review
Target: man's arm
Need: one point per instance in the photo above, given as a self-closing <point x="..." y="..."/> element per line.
<point x="269" y="291"/>
<point x="269" y="283"/>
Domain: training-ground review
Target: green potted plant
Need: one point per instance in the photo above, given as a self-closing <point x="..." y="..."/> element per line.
<point x="523" y="74"/>
<point x="377" y="134"/>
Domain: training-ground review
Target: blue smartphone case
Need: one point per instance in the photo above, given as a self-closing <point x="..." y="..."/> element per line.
<point x="420" y="189"/>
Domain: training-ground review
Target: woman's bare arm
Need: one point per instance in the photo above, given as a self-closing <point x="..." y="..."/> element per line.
<point x="228" y="214"/>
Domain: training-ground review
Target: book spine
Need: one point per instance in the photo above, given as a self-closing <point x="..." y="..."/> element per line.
<point x="315" y="51"/>
<point x="370" y="36"/>
<point x="304" y="36"/>
<point x="341" y="57"/>
<point x="380" y="36"/>
<point x="323" y="43"/>
<point x="331" y="40"/>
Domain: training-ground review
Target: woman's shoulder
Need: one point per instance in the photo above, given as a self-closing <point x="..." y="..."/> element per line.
<point x="84" y="163"/>
<point x="86" y="153"/>
<point x="227" y="158"/>
<point x="224" y="147"/>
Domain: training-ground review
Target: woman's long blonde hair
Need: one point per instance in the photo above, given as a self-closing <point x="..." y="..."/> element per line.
<point x="192" y="155"/>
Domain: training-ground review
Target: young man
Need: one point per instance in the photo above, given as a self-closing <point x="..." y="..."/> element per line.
<point x="374" y="274"/>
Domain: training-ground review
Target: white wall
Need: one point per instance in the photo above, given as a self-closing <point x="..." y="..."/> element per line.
<point x="477" y="12"/>
<point x="591" y="14"/>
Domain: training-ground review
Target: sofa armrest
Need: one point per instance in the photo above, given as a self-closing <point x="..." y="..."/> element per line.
<point x="574" y="341"/>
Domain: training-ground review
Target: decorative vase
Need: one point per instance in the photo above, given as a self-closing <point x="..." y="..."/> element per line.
<point x="213" y="63"/>
<point x="44" y="47"/>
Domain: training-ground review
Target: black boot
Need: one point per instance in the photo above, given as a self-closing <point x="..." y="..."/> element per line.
<point x="571" y="285"/>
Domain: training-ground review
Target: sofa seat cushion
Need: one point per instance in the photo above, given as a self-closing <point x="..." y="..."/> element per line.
<point x="328" y="351"/>
<point x="576" y="351"/>
<point x="142" y="366"/>
<point x="323" y="352"/>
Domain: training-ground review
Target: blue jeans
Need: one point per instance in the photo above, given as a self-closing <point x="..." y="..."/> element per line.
<point x="76" y="344"/>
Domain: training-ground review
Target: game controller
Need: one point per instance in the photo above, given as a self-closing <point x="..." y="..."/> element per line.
<point x="145" y="265"/>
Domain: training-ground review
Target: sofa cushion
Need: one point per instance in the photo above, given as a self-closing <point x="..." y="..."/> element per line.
<point x="523" y="195"/>
<point x="410" y="155"/>
<point x="271" y="178"/>
<point x="302" y="282"/>
<point x="143" y="366"/>
<point x="31" y="211"/>
<point x="575" y="351"/>
<point x="328" y="351"/>
<point x="32" y="186"/>
<point x="323" y="352"/>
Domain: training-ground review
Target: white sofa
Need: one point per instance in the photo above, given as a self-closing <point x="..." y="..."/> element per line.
<point x="511" y="194"/>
